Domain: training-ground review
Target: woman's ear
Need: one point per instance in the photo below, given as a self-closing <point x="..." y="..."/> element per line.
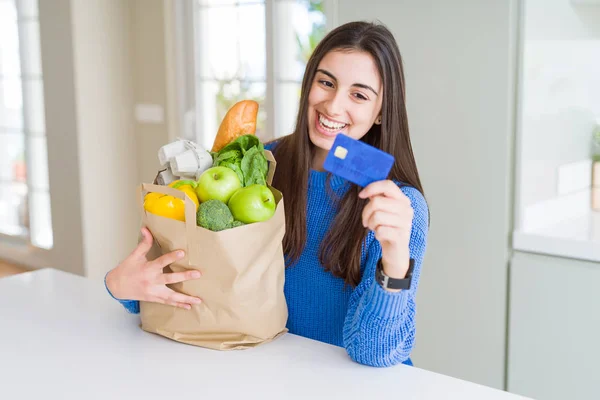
<point x="378" y="120"/>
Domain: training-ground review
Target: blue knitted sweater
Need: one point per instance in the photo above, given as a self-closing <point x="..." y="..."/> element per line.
<point x="376" y="327"/>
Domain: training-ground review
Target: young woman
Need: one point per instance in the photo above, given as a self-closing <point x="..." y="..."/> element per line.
<point x="353" y="254"/>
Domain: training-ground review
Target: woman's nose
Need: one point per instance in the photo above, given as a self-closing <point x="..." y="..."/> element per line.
<point x="335" y="105"/>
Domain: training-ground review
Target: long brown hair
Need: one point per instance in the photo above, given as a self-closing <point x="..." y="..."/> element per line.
<point x="342" y="247"/>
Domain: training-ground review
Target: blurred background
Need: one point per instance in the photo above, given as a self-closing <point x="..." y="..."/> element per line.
<point x="504" y="108"/>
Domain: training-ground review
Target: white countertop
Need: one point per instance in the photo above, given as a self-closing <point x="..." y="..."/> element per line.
<point x="563" y="226"/>
<point x="62" y="336"/>
<point x="575" y="237"/>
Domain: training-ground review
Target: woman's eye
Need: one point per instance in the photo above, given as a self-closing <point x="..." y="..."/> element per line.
<point x="326" y="83"/>
<point x="360" y="96"/>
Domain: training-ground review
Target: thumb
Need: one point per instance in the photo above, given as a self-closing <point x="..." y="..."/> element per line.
<point x="145" y="244"/>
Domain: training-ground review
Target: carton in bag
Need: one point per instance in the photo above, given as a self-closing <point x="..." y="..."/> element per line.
<point x="243" y="272"/>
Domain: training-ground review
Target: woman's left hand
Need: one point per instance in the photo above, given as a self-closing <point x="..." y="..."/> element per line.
<point x="389" y="214"/>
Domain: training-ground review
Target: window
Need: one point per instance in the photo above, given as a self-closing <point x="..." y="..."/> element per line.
<point x="251" y="49"/>
<point x="24" y="190"/>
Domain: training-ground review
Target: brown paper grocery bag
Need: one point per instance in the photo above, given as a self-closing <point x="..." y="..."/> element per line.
<point x="243" y="274"/>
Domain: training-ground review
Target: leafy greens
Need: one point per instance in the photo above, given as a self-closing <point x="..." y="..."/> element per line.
<point x="246" y="157"/>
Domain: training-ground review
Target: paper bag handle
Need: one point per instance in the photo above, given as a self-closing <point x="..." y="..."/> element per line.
<point x="272" y="165"/>
<point x="190" y="215"/>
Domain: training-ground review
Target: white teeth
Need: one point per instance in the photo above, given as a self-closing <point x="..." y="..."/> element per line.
<point x="330" y="124"/>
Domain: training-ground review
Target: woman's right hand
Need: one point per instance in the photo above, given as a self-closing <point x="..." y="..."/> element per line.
<point x="137" y="278"/>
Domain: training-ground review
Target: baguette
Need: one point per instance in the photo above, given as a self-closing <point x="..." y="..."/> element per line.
<point x="239" y="120"/>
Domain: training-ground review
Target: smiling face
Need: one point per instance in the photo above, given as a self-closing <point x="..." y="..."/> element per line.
<point x="345" y="97"/>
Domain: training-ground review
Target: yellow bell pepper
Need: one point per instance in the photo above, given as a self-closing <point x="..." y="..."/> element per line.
<point x="169" y="206"/>
<point x="187" y="186"/>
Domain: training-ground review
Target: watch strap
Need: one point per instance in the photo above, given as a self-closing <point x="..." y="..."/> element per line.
<point x="394" y="283"/>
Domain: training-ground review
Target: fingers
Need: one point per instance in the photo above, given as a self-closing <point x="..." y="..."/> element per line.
<point x="185" y="306"/>
<point x="145" y="244"/>
<point x="169" y="258"/>
<point x="386" y="233"/>
<point x="176" y="277"/>
<point x="375" y="204"/>
<point x="159" y="293"/>
<point x="382" y="218"/>
<point x="175" y="297"/>
<point x="386" y="188"/>
<point x="182" y="305"/>
<point x="172" y="298"/>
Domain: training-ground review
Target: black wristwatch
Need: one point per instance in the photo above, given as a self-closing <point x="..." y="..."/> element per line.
<point x="387" y="282"/>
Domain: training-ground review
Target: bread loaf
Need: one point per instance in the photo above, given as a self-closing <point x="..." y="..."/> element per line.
<point x="239" y="120"/>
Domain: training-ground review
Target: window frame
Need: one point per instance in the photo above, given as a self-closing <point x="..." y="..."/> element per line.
<point x="28" y="134"/>
<point x="187" y="51"/>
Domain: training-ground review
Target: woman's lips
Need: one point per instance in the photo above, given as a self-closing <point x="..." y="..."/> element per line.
<point x="324" y="131"/>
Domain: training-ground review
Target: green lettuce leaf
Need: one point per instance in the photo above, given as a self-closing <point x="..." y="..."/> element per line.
<point x="254" y="167"/>
<point x="246" y="157"/>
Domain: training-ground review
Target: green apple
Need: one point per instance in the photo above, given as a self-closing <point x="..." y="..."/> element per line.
<point x="217" y="183"/>
<point x="254" y="203"/>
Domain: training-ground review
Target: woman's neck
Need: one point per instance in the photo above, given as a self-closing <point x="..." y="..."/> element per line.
<point x="319" y="159"/>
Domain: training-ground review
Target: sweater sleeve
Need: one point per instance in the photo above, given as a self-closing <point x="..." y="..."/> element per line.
<point x="132" y="306"/>
<point x="379" y="329"/>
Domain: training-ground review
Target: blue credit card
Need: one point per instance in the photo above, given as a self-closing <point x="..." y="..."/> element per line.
<point x="357" y="161"/>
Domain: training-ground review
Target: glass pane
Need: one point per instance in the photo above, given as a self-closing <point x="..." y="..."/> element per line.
<point x="38" y="160"/>
<point x="207" y="124"/>
<point x="300" y="27"/>
<point x="11" y="104"/>
<point x="252" y="45"/>
<point x="12" y="157"/>
<point x="14" y="214"/>
<point x="9" y="41"/>
<point x="9" y="8"/>
<point x="41" y="221"/>
<point x="28" y="8"/>
<point x="34" y="105"/>
<point x="214" y="3"/>
<point x="217" y="97"/>
<point x="288" y="95"/>
<point x="32" y="64"/>
<point x="231" y="42"/>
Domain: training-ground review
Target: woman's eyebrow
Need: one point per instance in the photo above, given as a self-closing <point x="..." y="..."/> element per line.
<point x="360" y="85"/>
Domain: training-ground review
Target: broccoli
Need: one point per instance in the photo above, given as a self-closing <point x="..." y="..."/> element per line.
<point x="237" y="223"/>
<point x="214" y="215"/>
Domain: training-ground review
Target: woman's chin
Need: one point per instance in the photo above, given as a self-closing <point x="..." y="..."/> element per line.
<point x="323" y="143"/>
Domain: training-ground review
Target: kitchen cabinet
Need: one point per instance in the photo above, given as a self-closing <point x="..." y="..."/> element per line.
<point x="553" y="313"/>
<point x="554" y="327"/>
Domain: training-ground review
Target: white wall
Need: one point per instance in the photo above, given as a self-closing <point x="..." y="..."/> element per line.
<point x="460" y="65"/>
<point x="107" y="146"/>
<point x="149" y="78"/>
